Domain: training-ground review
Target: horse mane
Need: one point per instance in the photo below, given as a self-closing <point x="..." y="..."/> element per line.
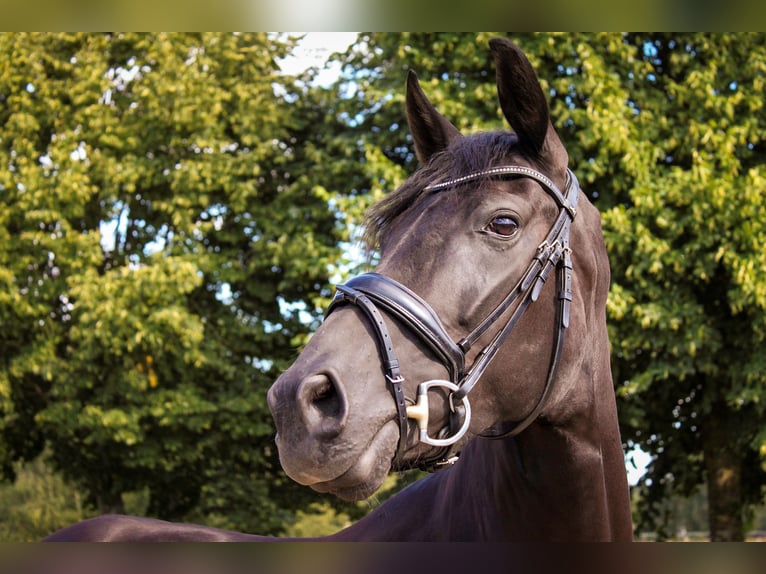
<point x="467" y="154"/>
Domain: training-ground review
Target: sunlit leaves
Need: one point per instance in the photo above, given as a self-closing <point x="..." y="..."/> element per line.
<point x="155" y="211"/>
<point x="687" y="251"/>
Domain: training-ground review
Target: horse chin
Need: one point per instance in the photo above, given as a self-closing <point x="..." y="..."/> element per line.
<point x="368" y="469"/>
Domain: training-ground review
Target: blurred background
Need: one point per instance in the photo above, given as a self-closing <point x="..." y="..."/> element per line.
<point x="175" y="207"/>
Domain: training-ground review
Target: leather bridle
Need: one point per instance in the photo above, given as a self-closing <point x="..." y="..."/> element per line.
<point x="372" y="292"/>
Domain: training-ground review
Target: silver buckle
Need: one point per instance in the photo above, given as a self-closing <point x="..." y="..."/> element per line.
<point x="398" y="380"/>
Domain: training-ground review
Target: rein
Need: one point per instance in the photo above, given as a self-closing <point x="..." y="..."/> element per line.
<point x="371" y="291"/>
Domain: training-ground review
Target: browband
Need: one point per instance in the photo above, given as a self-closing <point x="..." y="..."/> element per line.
<point x="516" y="170"/>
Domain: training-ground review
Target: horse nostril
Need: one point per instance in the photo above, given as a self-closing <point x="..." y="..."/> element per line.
<point x="322" y="405"/>
<point x="324" y="398"/>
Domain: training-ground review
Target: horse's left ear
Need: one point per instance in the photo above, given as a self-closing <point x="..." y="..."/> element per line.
<point x="524" y="104"/>
<point x="430" y="131"/>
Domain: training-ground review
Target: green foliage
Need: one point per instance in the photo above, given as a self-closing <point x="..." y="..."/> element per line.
<point x="165" y="244"/>
<point x="688" y="314"/>
<point x="38" y="503"/>
<point x="170" y="219"/>
<point x="317" y="520"/>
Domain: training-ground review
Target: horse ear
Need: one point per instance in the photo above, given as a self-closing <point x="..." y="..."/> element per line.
<point x="524" y="104"/>
<point x="430" y="131"/>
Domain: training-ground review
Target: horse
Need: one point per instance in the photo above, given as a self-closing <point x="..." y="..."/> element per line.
<point x="476" y="349"/>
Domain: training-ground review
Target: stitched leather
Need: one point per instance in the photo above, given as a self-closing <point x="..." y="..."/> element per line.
<point x="411" y="309"/>
<point x="386" y="350"/>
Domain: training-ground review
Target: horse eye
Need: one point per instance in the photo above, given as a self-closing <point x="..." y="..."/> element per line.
<point x="503" y="225"/>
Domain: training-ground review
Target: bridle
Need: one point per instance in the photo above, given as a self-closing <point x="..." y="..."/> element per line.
<point x="371" y="292"/>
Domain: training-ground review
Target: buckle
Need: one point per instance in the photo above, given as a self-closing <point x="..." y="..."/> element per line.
<point x="397" y="380"/>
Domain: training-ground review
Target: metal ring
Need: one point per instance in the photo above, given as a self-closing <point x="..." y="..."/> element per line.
<point x="419" y="412"/>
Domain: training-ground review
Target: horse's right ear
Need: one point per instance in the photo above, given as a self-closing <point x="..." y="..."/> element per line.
<point x="430" y="131"/>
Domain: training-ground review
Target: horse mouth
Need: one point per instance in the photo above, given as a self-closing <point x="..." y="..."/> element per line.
<point x="368" y="469"/>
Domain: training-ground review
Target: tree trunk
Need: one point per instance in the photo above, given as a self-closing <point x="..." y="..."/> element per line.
<point x="723" y="469"/>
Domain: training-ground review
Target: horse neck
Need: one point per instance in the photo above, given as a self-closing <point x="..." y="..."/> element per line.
<point x="554" y="482"/>
<point x="561" y="481"/>
<point x="560" y="484"/>
<point x="564" y="477"/>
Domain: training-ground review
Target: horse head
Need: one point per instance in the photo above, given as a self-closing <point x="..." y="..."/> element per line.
<point x="483" y="317"/>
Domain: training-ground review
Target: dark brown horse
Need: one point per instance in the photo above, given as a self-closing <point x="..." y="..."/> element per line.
<point x="482" y="332"/>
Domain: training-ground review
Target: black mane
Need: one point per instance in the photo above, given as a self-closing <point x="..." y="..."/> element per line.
<point x="467" y="154"/>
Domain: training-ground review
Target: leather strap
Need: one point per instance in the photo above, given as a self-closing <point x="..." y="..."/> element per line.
<point x="386" y="349"/>
<point x="562" y="260"/>
<point x="514" y="170"/>
<point x="414" y="312"/>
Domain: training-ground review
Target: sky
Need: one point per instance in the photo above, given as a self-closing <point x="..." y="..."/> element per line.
<point x="314" y="50"/>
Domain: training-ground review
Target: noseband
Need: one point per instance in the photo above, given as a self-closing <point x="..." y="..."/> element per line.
<point x="371" y="292"/>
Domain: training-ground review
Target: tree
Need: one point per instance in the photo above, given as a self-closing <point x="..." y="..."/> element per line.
<point x="666" y="133"/>
<point x="165" y="243"/>
<point x="37" y="503"/>
<point x="169" y="225"/>
<point x="689" y="302"/>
